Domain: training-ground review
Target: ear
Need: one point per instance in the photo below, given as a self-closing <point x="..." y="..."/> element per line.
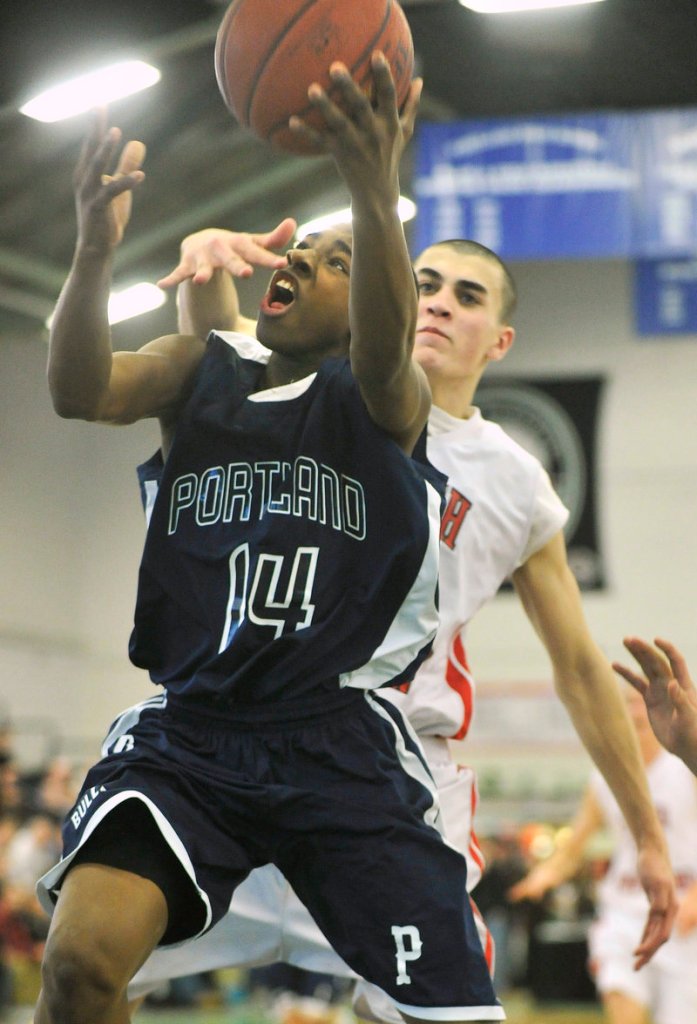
<point x="502" y="344"/>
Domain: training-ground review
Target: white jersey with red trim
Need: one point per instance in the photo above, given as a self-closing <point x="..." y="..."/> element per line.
<point x="500" y="509"/>
<point x="673" y="790"/>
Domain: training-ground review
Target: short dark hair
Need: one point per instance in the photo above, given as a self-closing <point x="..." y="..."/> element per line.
<point x="468" y="247"/>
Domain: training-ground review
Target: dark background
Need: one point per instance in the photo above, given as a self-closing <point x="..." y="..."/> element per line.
<point x="203" y="169"/>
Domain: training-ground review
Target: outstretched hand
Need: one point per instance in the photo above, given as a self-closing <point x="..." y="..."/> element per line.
<point x="104" y="199"/>
<point x="365" y="138"/>
<point x="238" y="252"/>
<point x="669" y="693"/>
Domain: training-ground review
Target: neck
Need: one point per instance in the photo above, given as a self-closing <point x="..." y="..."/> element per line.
<point x="454" y="397"/>
<point x="280" y="370"/>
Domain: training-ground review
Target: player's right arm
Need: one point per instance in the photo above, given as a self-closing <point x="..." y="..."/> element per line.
<point x="567" y="858"/>
<point x="585" y="683"/>
<point x="86" y="379"/>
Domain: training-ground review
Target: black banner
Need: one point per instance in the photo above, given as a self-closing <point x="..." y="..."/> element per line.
<point x="557" y="421"/>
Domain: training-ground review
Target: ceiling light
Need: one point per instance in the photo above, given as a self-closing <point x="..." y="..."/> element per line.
<point x="139" y="298"/>
<point x="406" y="208"/>
<point x="130" y="302"/>
<point x="512" y="6"/>
<point x="94" y="89"/>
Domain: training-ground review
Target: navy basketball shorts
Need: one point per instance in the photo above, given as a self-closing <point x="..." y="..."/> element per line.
<point x="339" y="798"/>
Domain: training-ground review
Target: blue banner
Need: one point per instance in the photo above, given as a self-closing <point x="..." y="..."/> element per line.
<point x="665" y="296"/>
<point x="665" y="212"/>
<point x="529" y="188"/>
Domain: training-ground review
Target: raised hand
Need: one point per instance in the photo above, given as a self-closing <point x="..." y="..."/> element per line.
<point x="365" y="138"/>
<point x="235" y="251"/>
<point x="103" y="199"/>
<point x="669" y="693"/>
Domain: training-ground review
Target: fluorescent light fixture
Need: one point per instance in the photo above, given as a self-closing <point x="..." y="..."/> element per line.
<point x="94" y="89"/>
<point x="405" y="207"/>
<point x="131" y="301"/>
<point x="512" y="6"/>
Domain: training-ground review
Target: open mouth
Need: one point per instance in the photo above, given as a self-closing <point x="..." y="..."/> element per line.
<point x="281" y="293"/>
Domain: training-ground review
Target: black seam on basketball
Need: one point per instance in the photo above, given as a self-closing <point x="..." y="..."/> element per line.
<point x="281" y="125"/>
<point x="251" y="91"/>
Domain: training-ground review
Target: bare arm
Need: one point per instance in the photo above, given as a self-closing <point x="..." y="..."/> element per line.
<point x="86" y="380"/>
<point x="367" y="144"/>
<point x="567" y="859"/>
<point x="210" y="260"/>
<point x="585" y="683"/>
<point x="669" y="694"/>
<point x="213" y="306"/>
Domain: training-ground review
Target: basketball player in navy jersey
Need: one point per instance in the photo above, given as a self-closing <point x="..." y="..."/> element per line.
<point x="509" y="523"/>
<point x="289" y="570"/>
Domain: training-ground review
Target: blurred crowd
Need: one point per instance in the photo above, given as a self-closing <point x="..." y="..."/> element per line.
<point x="32" y="807"/>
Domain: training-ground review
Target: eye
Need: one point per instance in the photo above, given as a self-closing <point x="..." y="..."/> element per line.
<point x="426" y="287"/>
<point x="340" y="264"/>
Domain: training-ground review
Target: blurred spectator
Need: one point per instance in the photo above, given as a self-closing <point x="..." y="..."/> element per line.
<point x="33" y="849"/>
<point x="10" y="794"/>
<point x="505" y="865"/>
<point x="23" y="930"/>
<point x="57" y="789"/>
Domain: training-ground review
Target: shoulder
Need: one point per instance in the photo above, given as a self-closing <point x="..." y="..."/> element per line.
<point x="497" y="441"/>
<point x="244" y="345"/>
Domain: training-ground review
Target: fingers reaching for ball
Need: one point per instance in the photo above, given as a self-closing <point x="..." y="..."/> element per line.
<point x="361" y="128"/>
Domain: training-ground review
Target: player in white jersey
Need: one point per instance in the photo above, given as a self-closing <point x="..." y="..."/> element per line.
<point x="667" y="986"/>
<point x="502" y="518"/>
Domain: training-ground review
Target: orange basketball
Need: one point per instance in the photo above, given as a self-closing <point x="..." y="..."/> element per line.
<point x="268" y="52"/>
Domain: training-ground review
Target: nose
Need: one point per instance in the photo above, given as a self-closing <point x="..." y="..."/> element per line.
<point x="299" y="260"/>
<point x="437" y="304"/>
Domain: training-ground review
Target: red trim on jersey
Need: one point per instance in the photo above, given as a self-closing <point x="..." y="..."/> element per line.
<point x="459" y="678"/>
<point x="475" y="850"/>
<point x="484" y="937"/>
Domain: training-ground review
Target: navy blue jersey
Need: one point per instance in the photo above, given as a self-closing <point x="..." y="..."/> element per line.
<point x="292" y="545"/>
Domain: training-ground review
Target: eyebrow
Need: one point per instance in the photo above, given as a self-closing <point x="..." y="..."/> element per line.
<point x="474" y="286"/>
<point x="336" y="244"/>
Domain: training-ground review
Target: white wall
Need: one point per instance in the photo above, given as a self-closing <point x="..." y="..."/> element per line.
<point x="71" y="527"/>
<point x="71" y="531"/>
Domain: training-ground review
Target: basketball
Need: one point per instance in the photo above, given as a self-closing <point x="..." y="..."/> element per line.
<point x="268" y="52"/>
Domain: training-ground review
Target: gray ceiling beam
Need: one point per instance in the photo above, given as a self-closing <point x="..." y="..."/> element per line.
<point x="292" y="171"/>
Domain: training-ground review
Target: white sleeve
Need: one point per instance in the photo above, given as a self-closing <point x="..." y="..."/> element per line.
<point x="548" y="516"/>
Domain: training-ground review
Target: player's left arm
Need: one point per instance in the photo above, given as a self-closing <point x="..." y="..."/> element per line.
<point x="586" y="684"/>
<point x="366" y="141"/>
